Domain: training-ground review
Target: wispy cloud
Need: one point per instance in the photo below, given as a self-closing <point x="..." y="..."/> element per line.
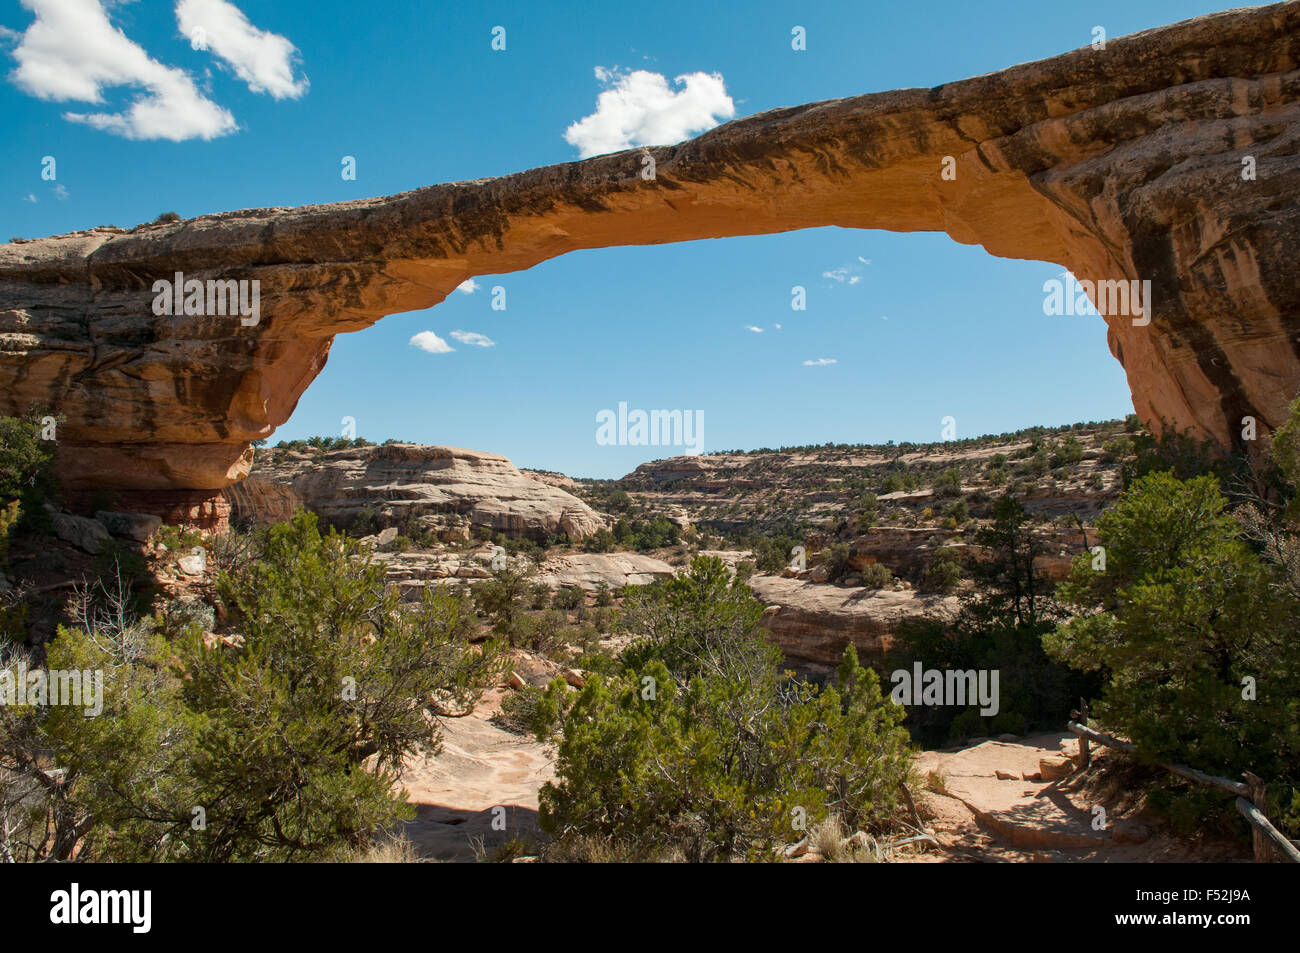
<point x="756" y="330"/>
<point x="428" y="341"/>
<point x="820" y="362"/>
<point x="849" y="274"/>
<point x="639" y="108"/>
<point x="473" y="338"/>
<point x="468" y="286"/>
<point x="265" y="61"/>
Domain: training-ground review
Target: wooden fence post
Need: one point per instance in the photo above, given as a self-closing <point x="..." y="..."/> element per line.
<point x="1270" y="845"/>
<point x="1259" y="840"/>
<point x="1085" y="752"/>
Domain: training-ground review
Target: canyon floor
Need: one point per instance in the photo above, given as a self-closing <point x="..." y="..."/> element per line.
<point x="878" y="523"/>
<point x="487" y="774"/>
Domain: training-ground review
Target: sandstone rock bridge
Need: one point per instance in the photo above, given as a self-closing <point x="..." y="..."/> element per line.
<point x="1122" y="163"/>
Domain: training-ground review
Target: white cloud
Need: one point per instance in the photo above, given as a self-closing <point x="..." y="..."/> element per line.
<point x="820" y="362"/>
<point x="750" y="327"/>
<point x="848" y="274"/>
<point x="468" y="286"/>
<point x="263" y="60"/>
<point x="473" y="338"/>
<point x="60" y="192"/>
<point x="428" y="341"/>
<point x="72" y="52"/>
<point x="30" y="198"/>
<point x="777" y="326"/>
<point x="640" y="108"/>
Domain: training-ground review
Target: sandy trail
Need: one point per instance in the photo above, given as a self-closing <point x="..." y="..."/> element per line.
<point x="979" y="816"/>
<point x="484" y="778"/>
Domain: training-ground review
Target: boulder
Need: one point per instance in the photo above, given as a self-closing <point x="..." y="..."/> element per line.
<point x="1055" y="769"/>
<point x="85" y="534"/>
<point x="1131" y="831"/>
<point x="137" y="526"/>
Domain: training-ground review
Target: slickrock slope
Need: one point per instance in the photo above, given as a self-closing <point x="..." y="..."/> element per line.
<point x="481" y="768"/>
<point x="395" y="482"/>
<point x="614" y="570"/>
<point x="1122" y="163"/>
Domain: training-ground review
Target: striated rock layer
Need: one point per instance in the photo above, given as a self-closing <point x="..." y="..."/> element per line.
<point x="1119" y="164"/>
<point x="257" y="500"/>
<point x="394" y="483"/>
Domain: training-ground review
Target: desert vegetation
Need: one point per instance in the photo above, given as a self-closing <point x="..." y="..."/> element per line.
<point x="277" y="739"/>
<point x="268" y="714"/>
<point x="697" y="745"/>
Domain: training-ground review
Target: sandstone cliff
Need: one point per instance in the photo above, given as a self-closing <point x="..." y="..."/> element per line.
<point x="395" y="483"/>
<point x="259" y="500"/>
<point x="1122" y="163"/>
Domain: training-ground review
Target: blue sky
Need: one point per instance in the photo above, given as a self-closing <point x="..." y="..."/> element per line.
<point x="414" y="91"/>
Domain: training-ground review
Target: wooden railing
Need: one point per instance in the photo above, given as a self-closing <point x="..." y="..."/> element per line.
<point x="1251" y="794"/>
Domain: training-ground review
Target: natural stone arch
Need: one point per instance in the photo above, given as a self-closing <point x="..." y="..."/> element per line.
<point x="1123" y="163"/>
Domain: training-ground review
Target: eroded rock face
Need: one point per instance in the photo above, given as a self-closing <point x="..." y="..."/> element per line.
<point x="813" y="624"/>
<point x="394" y="483"/>
<point x="257" y="500"/>
<point x="1120" y="164"/>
